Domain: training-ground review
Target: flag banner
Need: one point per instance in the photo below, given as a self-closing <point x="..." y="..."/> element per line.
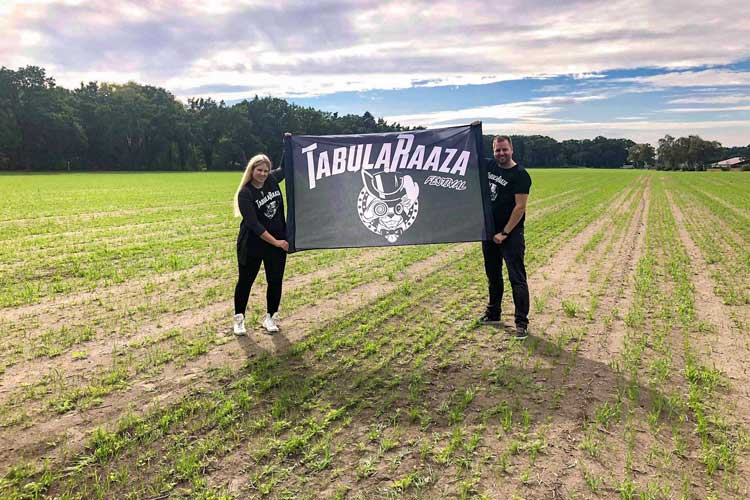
<point x="400" y="188"/>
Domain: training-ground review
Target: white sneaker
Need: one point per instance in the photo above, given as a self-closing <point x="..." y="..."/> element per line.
<point x="269" y="324"/>
<point x="239" y="324"/>
<point x="276" y="318"/>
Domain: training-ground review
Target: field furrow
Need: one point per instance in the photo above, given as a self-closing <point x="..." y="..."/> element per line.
<point x="382" y="382"/>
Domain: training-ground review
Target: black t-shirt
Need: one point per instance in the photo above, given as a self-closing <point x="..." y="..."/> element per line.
<point x="262" y="210"/>
<point x="505" y="184"/>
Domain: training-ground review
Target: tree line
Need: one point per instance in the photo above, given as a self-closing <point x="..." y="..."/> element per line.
<point x="105" y="126"/>
<point x="682" y="153"/>
<point x="693" y="153"/>
<point x="546" y="152"/>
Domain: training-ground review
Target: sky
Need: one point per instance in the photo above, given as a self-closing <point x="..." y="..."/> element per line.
<point x="568" y="69"/>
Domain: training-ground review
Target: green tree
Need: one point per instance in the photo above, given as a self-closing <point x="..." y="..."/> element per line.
<point x="701" y="152"/>
<point x="43" y="128"/>
<point x="10" y="132"/>
<point x="641" y="155"/>
<point x="665" y="153"/>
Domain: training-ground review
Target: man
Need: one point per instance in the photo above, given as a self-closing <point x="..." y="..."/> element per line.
<point x="509" y="193"/>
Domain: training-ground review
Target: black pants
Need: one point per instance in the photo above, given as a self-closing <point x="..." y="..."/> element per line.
<point x="274" y="261"/>
<point x="511" y="251"/>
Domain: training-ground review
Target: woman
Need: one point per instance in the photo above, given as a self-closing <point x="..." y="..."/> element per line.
<point x="262" y="238"/>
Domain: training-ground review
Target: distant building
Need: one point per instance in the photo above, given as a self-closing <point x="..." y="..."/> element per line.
<point x="736" y="163"/>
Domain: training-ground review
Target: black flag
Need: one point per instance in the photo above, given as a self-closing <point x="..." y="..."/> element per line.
<point x="400" y="188"/>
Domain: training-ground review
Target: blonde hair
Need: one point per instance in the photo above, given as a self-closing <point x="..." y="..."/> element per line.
<point x="251" y="165"/>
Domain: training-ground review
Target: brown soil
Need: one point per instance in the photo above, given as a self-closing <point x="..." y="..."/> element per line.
<point x="580" y="375"/>
<point x="102" y="349"/>
<point x="737" y="210"/>
<point x="68" y="431"/>
<point x="719" y="346"/>
<point x="109" y="213"/>
<point x="592" y="381"/>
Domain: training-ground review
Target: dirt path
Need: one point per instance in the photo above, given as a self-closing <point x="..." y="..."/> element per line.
<point x="52" y="254"/>
<point x="570" y="359"/>
<point x="704" y="217"/>
<point x="568" y="460"/>
<point x="107" y="344"/>
<point x="624" y="266"/>
<point x="561" y="272"/>
<point x="723" y="346"/>
<point x="539" y="212"/>
<point x="111" y="213"/>
<point x="68" y="431"/>
<point x="591" y="381"/>
<point x="63" y="309"/>
<point x="737" y="210"/>
<point x="564" y="278"/>
<point x="131" y="228"/>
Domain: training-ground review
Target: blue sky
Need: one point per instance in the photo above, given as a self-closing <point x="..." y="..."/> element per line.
<point x="576" y="69"/>
<point x="640" y="103"/>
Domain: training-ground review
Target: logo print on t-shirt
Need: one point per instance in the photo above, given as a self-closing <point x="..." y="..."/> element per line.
<point x="270" y="209"/>
<point x="493" y="191"/>
<point x="388" y="203"/>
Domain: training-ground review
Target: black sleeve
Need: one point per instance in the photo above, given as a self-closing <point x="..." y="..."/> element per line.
<point x="523" y="183"/>
<point x="249" y="216"/>
<point x="492" y="166"/>
<point x="277" y="174"/>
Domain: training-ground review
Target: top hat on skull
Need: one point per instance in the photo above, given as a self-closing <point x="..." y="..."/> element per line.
<point x="387" y="186"/>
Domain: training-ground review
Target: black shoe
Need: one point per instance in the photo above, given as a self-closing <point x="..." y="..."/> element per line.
<point x="490" y="318"/>
<point x="520" y="333"/>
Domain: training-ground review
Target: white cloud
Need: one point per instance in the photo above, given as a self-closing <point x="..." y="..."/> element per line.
<point x="230" y="49"/>
<point x="534" y="111"/>
<point x="367" y="44"/>
<point x="514" y="111"/>
<point x="728" y="132"/>
<point x="532" y="117"/>
<point x="551" y="88"/>
<point x="587" y="76"/>
<point x="719" y="99"/>
<point x="704" y="78"/>
<point x="707" y="109"/>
